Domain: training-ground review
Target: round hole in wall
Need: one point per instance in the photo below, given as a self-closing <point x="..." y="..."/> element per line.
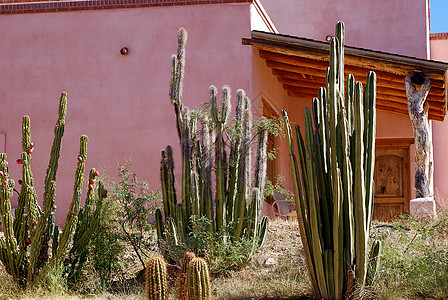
<point x="124" y="51"/>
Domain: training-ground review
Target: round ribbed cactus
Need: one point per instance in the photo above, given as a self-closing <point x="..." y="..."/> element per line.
<point x="198" y="280"/>
<point x="156" y="284"/>
<point x="182" y="277"/>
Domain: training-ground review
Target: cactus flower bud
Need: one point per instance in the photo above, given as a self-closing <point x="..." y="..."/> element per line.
<point x="1" y="173"/>
<point x="19" y="161"/>
<point x="79" y="158"/>
<point x="52" y="213"/>
<point x="105" y="194"/>
<point x="90" y="187"/>
<point x="30" y="150"/>
<point x="92" y="181"/>
<point x="6" y="163"/>
<point x="28" y="240"/>
<point x="20" y="181"/>
<point x="5" y="181"/>
<point x="96" y="173"/>
<point x="35" y="223"/>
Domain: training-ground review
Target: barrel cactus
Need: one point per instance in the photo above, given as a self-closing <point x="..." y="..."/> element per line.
<point x="198" y="280"/>
<point x="156" y="282"/>
<point x="182" y="277"/>
<point x="333" y="178"/>
<point x="29" y="233"/>
<point x="221" y="150"/>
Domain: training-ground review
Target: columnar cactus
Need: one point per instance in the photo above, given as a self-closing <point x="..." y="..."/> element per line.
<point x="238" y="198"/>
<point x="24" y="248"/>
<point x="156" y="284"/>
<point x="198" y="280"/>
<point x="333" y="178"/>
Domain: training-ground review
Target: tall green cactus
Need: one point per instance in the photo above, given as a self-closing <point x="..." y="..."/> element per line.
<point x="333" y="177"/>
<point x="238" y="198"/>
<point x="198" y="280"/>
<point x="156" y="283"/>
<point x="27" y="239"/>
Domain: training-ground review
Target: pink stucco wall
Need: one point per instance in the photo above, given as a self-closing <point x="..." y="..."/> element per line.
<point x="439" y="51"/>
<point x="393" y="26"/>
<point x="120" y="102"/>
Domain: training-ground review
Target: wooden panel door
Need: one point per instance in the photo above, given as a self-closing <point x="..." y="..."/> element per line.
<point x="392" y="182"/>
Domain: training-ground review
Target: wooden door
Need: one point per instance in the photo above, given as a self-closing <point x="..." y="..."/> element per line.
<point x="392" y="180"/>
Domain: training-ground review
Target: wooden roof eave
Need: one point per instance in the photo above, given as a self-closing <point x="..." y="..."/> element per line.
<point x="295" y="60"/>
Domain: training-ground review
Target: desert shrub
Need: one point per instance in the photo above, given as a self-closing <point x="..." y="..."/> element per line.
<point x="136" y="205"/>
<point x="217" y="248"/>
<point x="124" y="235"/>
<point x="415" y="259"/>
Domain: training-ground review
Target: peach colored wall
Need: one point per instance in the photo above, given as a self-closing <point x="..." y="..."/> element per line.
<point x="120" y="102"/>
<point x="392" y="26"/>
<point x="439" y="51"/>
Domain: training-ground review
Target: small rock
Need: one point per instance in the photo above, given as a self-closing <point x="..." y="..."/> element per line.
<point x="270" y="262"/>
<point x="111" y="297"/>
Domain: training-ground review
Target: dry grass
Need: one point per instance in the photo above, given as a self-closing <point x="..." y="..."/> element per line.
<point x="414" y="266"/>
<point x="287" y="279"/>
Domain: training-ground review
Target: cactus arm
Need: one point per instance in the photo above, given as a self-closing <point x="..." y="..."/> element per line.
<point x="359" y="188"/>
<point x="159" y="226"/>
<point x="205" y="165"/>
<point x="234" y="158"/>
<point x="56" y="147"/>
<point x="9" y="243"/>
<point x="72" y="215"/>
<point x="370" y="151"/>
<point x="297" y="189"/>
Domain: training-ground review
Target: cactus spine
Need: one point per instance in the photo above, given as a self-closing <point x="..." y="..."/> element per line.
<point x="24" y="248"/>
<point x="238" y="202"/>
<point x="198" y="280"/>
<point x="333" y="180"/>
<point x="156" y="284"/>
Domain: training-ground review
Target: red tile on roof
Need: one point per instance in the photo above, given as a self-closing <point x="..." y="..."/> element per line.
<point x="44" y="6"/>
<point x="439" y="36"/>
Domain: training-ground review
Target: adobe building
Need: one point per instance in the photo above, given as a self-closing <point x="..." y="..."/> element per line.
<point x="276" y="50"/>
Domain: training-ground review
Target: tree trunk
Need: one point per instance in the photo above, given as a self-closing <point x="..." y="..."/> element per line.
<point x="417" y="88"/>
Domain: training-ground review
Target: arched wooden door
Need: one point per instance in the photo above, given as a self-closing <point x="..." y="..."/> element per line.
<point x="392" y="179"/>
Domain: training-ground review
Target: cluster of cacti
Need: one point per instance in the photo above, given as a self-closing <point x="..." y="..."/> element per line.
<point x="156" y="283"/>
<point x="28" y="237"/>
<point x="238" y="197"/>
<point x="193" y="279"/>
<point x="333" y="179"/>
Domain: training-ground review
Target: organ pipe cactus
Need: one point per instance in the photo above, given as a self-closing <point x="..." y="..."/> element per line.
<point x="238" y="196"/>
<point x="24" y="249"/>
<point x="156" y="283"/>
<point x="333" y="177"/>
<point x="198" y="280"/>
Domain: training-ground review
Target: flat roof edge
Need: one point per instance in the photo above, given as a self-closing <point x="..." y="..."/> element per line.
<point x="37" y="6"/>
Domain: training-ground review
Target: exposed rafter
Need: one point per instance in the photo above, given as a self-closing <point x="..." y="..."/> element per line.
<point x="300" y="65"/>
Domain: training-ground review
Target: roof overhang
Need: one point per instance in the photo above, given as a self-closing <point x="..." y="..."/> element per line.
<point x="300" y="65"/>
